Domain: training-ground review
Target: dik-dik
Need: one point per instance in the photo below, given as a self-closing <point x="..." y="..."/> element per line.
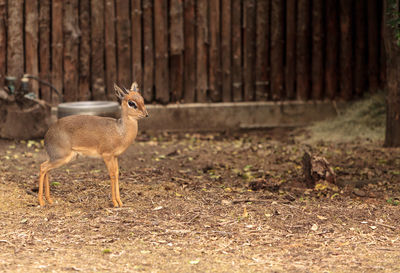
<point x="93" y="136"/>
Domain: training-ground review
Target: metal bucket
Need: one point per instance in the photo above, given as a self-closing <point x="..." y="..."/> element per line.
<point x="93" y="108"/>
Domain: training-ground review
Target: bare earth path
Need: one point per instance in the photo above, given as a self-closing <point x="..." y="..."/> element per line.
<point x="204" y="203"/>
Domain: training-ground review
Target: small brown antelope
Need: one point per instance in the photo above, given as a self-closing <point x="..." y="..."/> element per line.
<point x="93" y="136"/>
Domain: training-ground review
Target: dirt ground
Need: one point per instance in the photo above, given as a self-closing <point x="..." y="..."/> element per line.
<point x="204" y="203"/>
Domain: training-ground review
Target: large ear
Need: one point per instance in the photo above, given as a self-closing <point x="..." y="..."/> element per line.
<point x="119" y="92"/>
<point x="134" y="87"/>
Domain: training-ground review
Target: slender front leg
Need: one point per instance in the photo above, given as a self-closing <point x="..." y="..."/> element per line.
<point x="110" y="163"/>
<point x="117" y="182"/>
<point x="40" y="193"/>
<point x="47" y="188"/>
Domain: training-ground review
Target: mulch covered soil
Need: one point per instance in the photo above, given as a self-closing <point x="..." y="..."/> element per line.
<point x="204" y="203"/>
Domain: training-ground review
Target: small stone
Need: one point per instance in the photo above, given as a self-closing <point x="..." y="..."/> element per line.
<point x="359" y="192"/>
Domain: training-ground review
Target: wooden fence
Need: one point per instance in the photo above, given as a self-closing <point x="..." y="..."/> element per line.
<point x="195" y="51"/>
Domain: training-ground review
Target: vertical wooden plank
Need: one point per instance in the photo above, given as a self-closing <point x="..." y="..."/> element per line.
<point x="317" y="63"/>
<point x="161" y="50"/>
<point x="201" y="45"/>
<point x="3" y="41"/>
<point x="346" y="52"/>
<point x="57" y="47"/>
<point x="226" y="49"/>
<point x="124" y="71"/>
<point x="290" y="68"/>
<point x="84" y="50"/>
<point x="373" y="45"/>
<point x="214" y="64"/>
<point x="249" y="38"/>
<point x="237" y="81"/>
<point x="360" y="61"/>
<point x="277" y="50"/>
<point x="136" y="15"/>
<point x="262" y="49"/>
<point x="32" y="42"/>
<point x="15" y="44"/>
<point x="97" y="45"/>
<point x="176" y="49"/>
<point x="71" y="50"/>
<point x="110" y="48"/>
<point x="303" y="49"/>
<point x="44" y="48"/>
<point x="331" y="48"/>
<point x="148" y="52"/>
<point x="190" y="51"/>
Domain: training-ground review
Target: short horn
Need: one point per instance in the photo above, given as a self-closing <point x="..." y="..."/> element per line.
<point x="134" y="86"/>
<point x="125" y="90"/>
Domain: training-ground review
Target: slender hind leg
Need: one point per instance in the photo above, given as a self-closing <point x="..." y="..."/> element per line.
<point x="43" y="176"/>
<point x="47" y="188"/>
<point x="110" y="163"/>
<point x="117" y="182"/>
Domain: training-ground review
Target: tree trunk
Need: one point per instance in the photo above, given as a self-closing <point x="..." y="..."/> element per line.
<point x="84" y="50"/>
<point x="277" y="49"/>
<point x="237" y="82"/>
<point x="226" y="49"/>
<point x="189" y="32"/>
<point x="15" y="45"/>
<point x="176" y="49"/>
<point x="110" y="47"/>
<point x="249" y="38"/>
<point x="136" y="15"/>
<point x="44" y="48"/>
<point x="57" y="47"/>
<point x="148" y="51"/>
<point x="392" y="47"/>
<point x="202" y="42"/>
<point x="32" y="42"/>
<point x="123" y="43"/>
<point x="3" y="41"/>
<point x="214" y="64"/>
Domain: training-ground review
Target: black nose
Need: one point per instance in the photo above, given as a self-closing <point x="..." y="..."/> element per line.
<point x="147" y="115"/>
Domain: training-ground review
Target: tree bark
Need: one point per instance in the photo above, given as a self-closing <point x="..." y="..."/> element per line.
<point x="360" y="61"/>
<point x="317" y="61"/>
<point x="392" y="138"/>
<point x="346" y="50"/>
<point x="331" y="47"/>
<point x="373" y="45"/>
<point x="303" y="49"/>
<point x="262" y="50"/>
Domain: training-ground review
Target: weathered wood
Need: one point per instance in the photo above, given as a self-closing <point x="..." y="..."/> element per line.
<point x="317" y="56"/>
<point x="373" y="45"/>
<point x="290" y="68"/>
<point x="249" y="39"/>
<point x="110" y="48"/>
<point x="15" y="45"/>
<point x="3" y="41"/>
<point x="360" y="61"/>
<point x="303" y="49"/>
<point x="136" y="15"/>
<point x="44" y="48"/>
<point x="161" y="51"/>
<point x="176" y="49"/>
<point x="97" y="45"/>
<point x="226" y="49"/>
<point x="346" y="52"/>
<point x="71" y="47"/>
<point x="32" y="42"/>
<point x="392" y="49"/>
<point x="277" y="49"/>
<point x="201" y="45"/>
<point x="332" y="49"/>
<point x="190" y="51"/>
<point x="214" y="64"/>
<point x="262" y="50"/>
<point x="57" y="47"/>
<point x="237" y="81"/>
<point x="148" y="51"/>
<point x="123" y="26"/>
<point x="84" y="50"/>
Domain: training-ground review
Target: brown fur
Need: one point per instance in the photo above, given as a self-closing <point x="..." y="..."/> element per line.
<point x="93" y="136"/>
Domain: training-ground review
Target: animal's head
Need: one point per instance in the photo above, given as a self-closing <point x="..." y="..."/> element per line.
<point x="132" y="102"/>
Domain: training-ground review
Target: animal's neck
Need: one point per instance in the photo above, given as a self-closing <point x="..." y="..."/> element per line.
<point x="128" y="126"/>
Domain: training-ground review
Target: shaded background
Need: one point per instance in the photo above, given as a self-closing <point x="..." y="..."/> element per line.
<point x="195" y="51"/>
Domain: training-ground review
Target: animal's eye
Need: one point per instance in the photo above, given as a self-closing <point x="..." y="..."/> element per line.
<point x="132" y="104"/>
